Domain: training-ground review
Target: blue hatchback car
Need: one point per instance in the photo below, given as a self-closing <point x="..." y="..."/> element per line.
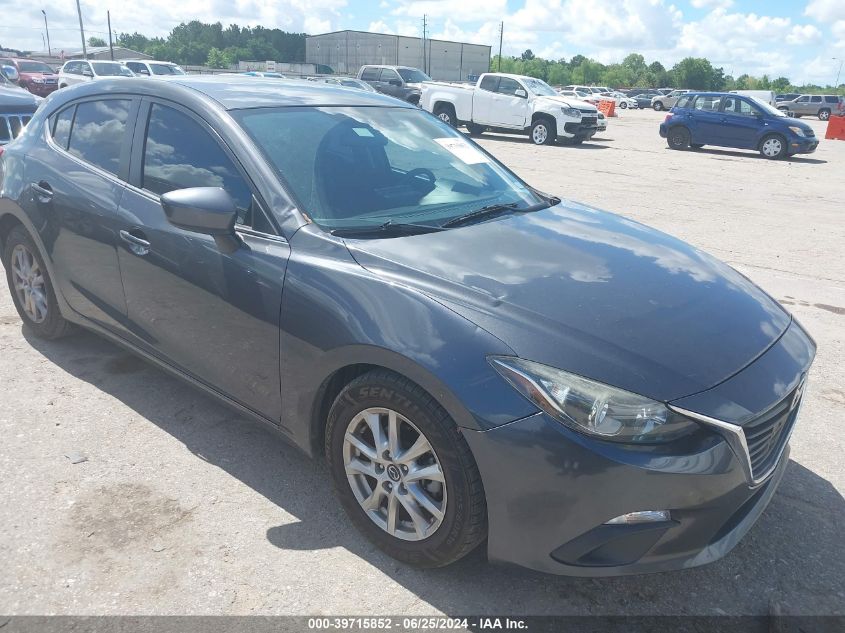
<point x="732" y="120"/>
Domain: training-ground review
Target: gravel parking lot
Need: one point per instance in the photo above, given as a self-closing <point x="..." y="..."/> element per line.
<point x="181" y="507"/>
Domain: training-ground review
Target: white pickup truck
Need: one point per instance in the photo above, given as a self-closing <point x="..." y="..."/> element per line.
<point x="512" y="103"/>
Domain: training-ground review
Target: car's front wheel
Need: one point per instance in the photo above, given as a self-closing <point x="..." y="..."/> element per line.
<point x="403" y="472"/>
<point x="678" y="138"/>
<point x="623" y="105"/>
<point x="773" y="146"/>
<point x="31" y="286"/>
<point x="543" y="132"/>
<point x="658" y="106"/>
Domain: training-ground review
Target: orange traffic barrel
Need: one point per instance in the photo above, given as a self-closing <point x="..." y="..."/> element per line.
<point x="836" y="128"/>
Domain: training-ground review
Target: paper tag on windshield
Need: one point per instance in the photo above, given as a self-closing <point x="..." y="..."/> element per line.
<point x="362" y="131"/>
<point x="462" y="150"/>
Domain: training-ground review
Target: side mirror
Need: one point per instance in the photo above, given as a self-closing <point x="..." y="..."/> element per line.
<point x="143" y="71"/>
<point x="519" y="92"/>
<point x="395" y="82"/>
<point x="10" y="73"/>
<point x="207" y="210"/>
<point x="87" y="72"/>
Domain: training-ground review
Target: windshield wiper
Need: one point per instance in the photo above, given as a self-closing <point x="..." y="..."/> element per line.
<point x="493" y="209"/>
<point x="386" y="229"/>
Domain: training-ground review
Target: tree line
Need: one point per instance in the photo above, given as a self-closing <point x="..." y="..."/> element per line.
<point x="695" y="73"/>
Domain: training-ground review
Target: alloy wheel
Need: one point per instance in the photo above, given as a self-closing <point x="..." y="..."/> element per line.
<point x="444" y="116"/>
<point x="29" y="286"/>
<point x="539" y="134"/>
<point x="394" y="474"/>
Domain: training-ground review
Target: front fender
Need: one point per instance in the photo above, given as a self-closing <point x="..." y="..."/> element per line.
<point x="336" y="314"/>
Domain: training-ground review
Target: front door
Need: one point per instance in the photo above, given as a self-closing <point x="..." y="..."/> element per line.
<point x="741" y="124"/>
<point x="507" y="108"/>
<point x="211" y="313"/>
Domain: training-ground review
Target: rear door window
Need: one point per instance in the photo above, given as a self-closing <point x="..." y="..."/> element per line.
<point x="816" y="99"/>
<point x="707" y="103"/>
<point x="61" y="126"/>
<point x="490" y="82"/>
<point x="740" y="107"/>
<point x="370" y="74"/>
<point x="388" y="74"/>
<point x="99" y="132"/>
<point x="684" y="102"/>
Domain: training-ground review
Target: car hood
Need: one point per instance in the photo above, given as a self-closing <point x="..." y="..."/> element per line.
<point x="591" y="293"/>
<point x="29" y="76"/>
<point x="14" y="98"/>
<point x="567" y="102"/>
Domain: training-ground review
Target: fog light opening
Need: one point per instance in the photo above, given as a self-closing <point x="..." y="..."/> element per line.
<point x="643" y="516"/>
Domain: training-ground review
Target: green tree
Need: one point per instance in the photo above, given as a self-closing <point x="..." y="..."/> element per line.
<point x="215" y="58"/>
<point x="528" y="54"/>
<point x="96" y="41"/>
<point x="695" y="73"/>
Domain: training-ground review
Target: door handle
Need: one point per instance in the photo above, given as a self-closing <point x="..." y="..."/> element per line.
<point x="43" y="190"/>
<point x="138" y="245"/>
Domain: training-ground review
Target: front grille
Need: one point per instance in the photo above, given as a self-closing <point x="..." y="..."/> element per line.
<point x="11" y="125"/>
<point x="767" y="435"/>
<point x="589" y="120"/>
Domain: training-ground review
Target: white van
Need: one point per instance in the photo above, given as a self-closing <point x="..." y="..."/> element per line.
<point x="766" y="96"/>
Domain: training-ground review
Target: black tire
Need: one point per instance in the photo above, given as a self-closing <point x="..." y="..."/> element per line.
<point x="53" y="324"/>
<point x="543" y="132"/>
<point x="824" y="114"/>
<point x="678" y="138"/>
<point x="475" y="130"/>
<point x="464" y="523"/>
<point x="658" y="105"/>
<point x="623" y="105"/>
<point x="774" y="147"/>
<point x="446" y="113"/>
<point x="696" y="145"/>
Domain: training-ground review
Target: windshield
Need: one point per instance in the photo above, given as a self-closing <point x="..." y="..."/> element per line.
<point x="34" y="67"/>
<point x="354" y="83"/>
<point x="166" y="69"/>
<point x="107" y="69"/>
<point x="767" y="108"/>
<point x="413" y="76"/>
<point x="539" y="87"/>
<point x="355" y="167"/>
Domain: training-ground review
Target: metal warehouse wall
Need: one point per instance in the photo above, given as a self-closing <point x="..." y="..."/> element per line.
<point x="347" y="51"/>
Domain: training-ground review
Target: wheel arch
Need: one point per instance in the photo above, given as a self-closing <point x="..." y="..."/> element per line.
<point x="7" y="223"/>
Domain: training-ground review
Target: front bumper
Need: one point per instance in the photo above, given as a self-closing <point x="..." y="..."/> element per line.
<point x="550" y="491"/>
<point x="802" y="144"/>
<point x="578" y="129"/>
<point x="42" y="90"/>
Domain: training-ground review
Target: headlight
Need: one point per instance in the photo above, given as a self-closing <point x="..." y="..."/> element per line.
<point x="797" y="130"/>
<point x="592" y="407"/>
<point x="571" y="112"/>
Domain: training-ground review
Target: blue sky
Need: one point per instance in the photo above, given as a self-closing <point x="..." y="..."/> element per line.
<point x="796" y="38"/>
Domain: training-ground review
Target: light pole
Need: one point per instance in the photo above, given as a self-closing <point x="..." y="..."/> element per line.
<point x="46" y="28"/>
<point x="81" y="31"/>
<point x="839" y="72"/>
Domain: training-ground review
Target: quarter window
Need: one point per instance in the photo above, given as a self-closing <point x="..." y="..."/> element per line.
<point x="831" y="99"/>
<point x="179" y="153"/>
<point x="98" y="132"/>
<point x="61" y="127"/>
<point x="489" y="83"/>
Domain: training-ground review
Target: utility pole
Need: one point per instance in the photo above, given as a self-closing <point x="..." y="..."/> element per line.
<point x="81" y="31"/>
<point x="111" y="47"/>
<point x="46" y="28"/>
<point x="423" y="45"/>
<point x="836" y="85"/>
<point x="501" y="35"/>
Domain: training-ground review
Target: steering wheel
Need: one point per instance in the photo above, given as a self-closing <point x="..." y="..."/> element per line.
<point x="422" y="171"/>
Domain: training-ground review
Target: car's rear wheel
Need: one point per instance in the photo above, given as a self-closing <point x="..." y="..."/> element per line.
<point x="773" y="146"/>
<point x="403" y="472"/>
<point x="543" y="132"/>
<point x="446" y="113"/>
<point x="824" y="114"/>
<point x="657" y="106"/>
<point x="678" y="138"/>
<point x="623" y="105"/>
<point x="31" y="286"/>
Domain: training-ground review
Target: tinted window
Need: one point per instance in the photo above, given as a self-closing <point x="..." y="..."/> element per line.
<point x="388" y="73"/>
<point x="414" y="76"/>
<point x="831" y="99"/>
<point x="803" y="100"/>
<point x="98" y="132"/>
<point x="110" y="69"/>
<point x="179" y="153"/>
<point x="508" y="86"/>
<point x="61" y="127"/>
<point x="489" y="83"/>
<point x="816" y="100"/>
<point x="707" y="103"/>
<point x="684" y="102"/>
<point x="167" y="69"/>
<point x="370" y="74"/>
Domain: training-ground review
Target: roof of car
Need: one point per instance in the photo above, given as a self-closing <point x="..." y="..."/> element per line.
<point x="235" y="92"/>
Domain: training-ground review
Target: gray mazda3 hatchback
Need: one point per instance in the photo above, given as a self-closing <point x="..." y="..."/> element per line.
<point x="478" y="362"/>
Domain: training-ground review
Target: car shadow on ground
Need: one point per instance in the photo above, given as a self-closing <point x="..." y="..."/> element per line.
<point x="753" y="155"/>
<point x="524" y="140"/>
<point x="791" y="559"/>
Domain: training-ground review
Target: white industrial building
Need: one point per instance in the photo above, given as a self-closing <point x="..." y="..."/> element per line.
<point x="346" y="51"/>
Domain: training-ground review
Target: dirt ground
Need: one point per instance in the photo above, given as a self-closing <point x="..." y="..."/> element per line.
<point x="181" y="507"/>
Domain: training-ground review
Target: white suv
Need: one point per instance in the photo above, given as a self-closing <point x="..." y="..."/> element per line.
<point x="151" y="67"/>
<point x="79" y="70"/>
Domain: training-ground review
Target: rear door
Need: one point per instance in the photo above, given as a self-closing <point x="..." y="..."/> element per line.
<point x="705" y="120"/>
<point x="801" y="105"/>
<point x="741" y="123"/>
<point x="77" y="181"/>
<point x="213" y="314"/>
<point x="816" y="104"/>
<point x="483" y="97"/>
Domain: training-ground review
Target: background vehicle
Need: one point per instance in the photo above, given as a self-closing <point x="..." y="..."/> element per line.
<point x="263" y="73"/>
<point x="80" y="71"/>
<point x="732" y="120"/>
<point x="37" y="77"/>
<point x="16" y="109"/>
<point x="766" y="96"/>
<point x="621" y="100"/>
<point x="602" y="123"/>
<point x="644" y="99"/>
<point x="346" y="82"/>
<point x="787" y="96"/>
<point x="512" y="103"/>
<point x="150" y="68"/>
<point x="402" y="82"/>
<point x="666" y="101"/>
<point x="821" y="106"/>
<point x="297" y="225"/>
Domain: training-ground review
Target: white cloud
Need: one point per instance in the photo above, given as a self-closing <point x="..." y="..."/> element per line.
<point x="803" y="34"/>
<point x="825" y="11"/>
<point x="711" y="4"/>
<point x="460" y="11"/>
